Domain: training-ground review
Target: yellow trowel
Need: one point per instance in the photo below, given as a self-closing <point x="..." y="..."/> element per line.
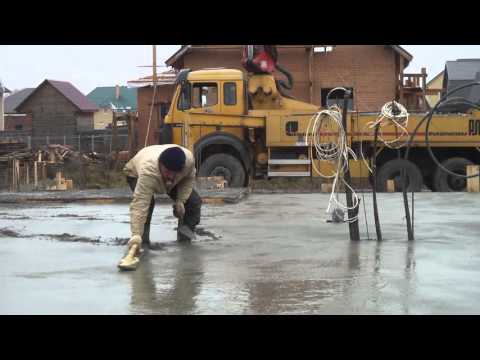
<point x="131" y="260"/>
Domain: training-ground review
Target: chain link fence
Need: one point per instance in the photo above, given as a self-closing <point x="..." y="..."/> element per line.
<point x="103" y="143"/>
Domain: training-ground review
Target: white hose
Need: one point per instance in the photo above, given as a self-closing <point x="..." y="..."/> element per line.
<point x="329" y="139"/>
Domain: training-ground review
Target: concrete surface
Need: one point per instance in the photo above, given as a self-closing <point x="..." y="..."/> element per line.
<point x="270" y="254"/>
<point x="227" y="195"/>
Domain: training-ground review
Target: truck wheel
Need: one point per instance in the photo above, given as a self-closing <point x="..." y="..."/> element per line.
<point x="392" y="170"/>
<point x="224" y="165"/>
<point x="444" y="182"/>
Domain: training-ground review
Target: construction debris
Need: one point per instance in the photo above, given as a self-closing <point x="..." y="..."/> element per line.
<point x="27" y="170"/>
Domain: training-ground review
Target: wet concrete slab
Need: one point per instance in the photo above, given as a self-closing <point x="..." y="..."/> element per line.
<point x="269" y="254"/>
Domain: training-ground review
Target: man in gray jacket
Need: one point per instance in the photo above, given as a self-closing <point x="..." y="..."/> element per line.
<point x="161" y="169"/>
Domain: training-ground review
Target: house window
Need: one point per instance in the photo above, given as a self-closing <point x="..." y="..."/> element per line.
<point x="204" y="95"/>
<point x="230" y="93"/>
<point x="19" y="127"/>
<point x="336" y="97"/>
<point x="323" y="49"/>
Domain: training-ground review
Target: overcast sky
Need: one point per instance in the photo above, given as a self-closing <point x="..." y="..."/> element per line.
<point x="96" y="65"/>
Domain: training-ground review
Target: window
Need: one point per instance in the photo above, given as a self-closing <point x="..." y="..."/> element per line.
<point x="336" y="97"/>
<point x="323" y="49"/>
<point x="230" y="94"/>
<point x="184" y="98"/>
<point x="19" y="127"/>
<point x="204" y="95"/>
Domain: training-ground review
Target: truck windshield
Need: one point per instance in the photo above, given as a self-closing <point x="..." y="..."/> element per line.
<point x="184" y="102"/>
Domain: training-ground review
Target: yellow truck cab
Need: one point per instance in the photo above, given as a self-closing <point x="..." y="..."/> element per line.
<point x="236" y="126"/>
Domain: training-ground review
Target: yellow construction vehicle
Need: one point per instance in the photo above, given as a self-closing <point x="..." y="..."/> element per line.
<point x="243" y="126"/>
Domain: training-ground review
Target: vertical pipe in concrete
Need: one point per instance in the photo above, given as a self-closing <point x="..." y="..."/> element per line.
<point x="352" y="226"/>
<point x="374" y="185"/>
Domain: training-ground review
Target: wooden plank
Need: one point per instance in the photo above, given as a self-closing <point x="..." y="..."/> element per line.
<point x="35" y="174"/>
<point x="326" y="187"/>
<point x="473" y="184"/>
<point x="390" y="186"/>
<point x="58" y="178"/>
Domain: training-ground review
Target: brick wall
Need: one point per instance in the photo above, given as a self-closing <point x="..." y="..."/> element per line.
<point x="369" y="69"/>
<point x="144" y="101"/>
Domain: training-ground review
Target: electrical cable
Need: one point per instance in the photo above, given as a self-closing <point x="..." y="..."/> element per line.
<point x="388" y="117"/>
<point x="329" y="139"/>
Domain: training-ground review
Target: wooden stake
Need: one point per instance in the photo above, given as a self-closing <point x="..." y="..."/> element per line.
<point x="58" y="178"/>
<point x="35" y="175"/>
<point x="390" y="186"/>
<point x="473" y="184"/>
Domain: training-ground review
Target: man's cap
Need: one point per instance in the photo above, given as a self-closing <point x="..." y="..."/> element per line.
<point x="173" y="158"/>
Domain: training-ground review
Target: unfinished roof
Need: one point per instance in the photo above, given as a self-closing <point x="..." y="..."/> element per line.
<point x="70" y="92"/>
<point x="186" y="48"/>
<point x="12" y="101"/>
<point x="463" y="69"/>
<point x="164" y="78"/>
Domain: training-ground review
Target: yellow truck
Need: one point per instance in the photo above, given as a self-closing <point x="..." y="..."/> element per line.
<point x="243" y="127"/>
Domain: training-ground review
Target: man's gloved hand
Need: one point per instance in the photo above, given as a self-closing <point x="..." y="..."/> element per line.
<point x="179" y="210"/>
<point x="135" y="240"/>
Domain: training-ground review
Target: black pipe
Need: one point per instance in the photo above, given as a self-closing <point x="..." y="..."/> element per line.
<point x="374" y="180"/>
<point x="352" y="225"/>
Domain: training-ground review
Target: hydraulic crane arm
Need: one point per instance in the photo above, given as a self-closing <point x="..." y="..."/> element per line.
<point x="262" y="59"/>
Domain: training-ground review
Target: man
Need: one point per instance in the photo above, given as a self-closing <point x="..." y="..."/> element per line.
<point x="162" y="169"/>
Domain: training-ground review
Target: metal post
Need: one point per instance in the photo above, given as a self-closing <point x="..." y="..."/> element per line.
<point x="352" y="226"/>
<point x="93" y="145"/>
<point x="374" y="191"/>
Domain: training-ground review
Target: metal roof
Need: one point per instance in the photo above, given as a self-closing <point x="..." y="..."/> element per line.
<point x="13" y="100"/>
<point x="105" y="97"/>
<point x="465" y="69"/>
<point x="70" y="92"/>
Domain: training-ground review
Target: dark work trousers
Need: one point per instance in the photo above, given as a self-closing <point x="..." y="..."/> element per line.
<point x="192" y="210"/>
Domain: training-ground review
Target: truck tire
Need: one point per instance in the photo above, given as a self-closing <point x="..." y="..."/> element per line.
<point x="391" y="170"/>
<point x="444" y="182"/>
<point x="224" y="165"/>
